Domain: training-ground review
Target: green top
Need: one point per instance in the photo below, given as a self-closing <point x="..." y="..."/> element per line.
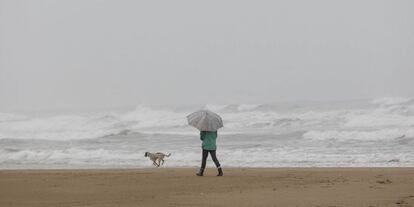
<point x="209" y="140"/>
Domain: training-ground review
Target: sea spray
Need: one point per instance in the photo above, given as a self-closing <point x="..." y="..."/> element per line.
<point x="358" y="133"/>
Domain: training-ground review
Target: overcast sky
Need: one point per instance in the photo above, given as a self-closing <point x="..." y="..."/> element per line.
<point x="87" y="54"/>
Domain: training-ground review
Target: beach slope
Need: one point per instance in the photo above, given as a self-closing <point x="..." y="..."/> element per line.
<point x="180" y="187"/>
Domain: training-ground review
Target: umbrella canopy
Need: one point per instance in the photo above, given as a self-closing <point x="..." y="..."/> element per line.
<point x="205" y="120"/>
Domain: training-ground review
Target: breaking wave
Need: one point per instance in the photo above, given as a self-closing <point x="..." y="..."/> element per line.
<point x="383" y="118"/>
<point x="382" y="134"/>
<point x="364" y="133"/>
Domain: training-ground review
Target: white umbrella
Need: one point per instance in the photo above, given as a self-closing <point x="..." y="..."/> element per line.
<point x="205" y="120"/>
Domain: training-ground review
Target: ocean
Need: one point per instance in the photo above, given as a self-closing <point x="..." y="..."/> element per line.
<point x="363" y="133"/>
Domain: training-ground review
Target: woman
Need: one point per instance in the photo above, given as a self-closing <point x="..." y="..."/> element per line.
<point x="209" y="146"/>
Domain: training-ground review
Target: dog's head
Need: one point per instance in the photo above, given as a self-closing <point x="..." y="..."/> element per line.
<point x="146" y="154"/>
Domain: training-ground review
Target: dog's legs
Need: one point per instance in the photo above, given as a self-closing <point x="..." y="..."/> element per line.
<point x="162" y="162"/>
<point x="159" y="162"/>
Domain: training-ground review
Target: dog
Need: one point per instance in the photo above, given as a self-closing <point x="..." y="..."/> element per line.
<point x="157" y="157"/>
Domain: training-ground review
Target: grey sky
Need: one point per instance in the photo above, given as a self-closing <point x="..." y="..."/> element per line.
<point x="85" y="54"/>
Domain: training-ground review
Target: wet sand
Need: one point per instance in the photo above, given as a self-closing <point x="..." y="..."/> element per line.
<point x="359" y="187"/>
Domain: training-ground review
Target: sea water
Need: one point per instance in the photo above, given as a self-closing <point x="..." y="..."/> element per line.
<point x="363" y="133"/>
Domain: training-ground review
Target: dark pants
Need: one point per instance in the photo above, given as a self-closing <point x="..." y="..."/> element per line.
<point x="213" y="156"/>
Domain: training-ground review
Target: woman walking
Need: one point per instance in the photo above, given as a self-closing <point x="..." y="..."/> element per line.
<point x="209" y="146"/>
<point x="208" y="123"/>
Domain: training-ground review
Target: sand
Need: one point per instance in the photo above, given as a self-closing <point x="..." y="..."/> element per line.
<point x="362" y="187"/>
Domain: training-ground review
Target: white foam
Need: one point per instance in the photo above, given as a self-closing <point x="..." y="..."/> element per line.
<point x="388" y="101"/>
<point x="384" y="113"/>
<point x="253" y="136"/>
<point x="70" y="156"/>
<point x="275" y="155"/>
<point x="60" y="127"/>
<point x="216" y="107"/>
<point x="145" y="117"/>
<point x="404" y="106"/>
<point x="381" y="134"/>
<point x="247" y="107"/>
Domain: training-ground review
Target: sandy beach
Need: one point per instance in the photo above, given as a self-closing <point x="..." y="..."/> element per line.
<point x="180" y="187"/>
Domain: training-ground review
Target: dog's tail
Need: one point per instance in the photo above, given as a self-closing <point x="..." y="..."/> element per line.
<point x="168" y="155"/>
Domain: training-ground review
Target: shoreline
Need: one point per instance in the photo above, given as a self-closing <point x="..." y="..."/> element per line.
<point x="197" y="167"/>
<point x="180" y="187"/>
<point x="117" y="168"/>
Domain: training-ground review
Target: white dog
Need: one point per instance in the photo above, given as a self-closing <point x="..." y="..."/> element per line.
<point x="157" y="158"/>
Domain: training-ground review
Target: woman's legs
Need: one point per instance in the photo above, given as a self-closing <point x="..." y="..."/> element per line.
<point x="214" y="157"/>
<point x="204" y="159"/>
<point x="203" y="163"/>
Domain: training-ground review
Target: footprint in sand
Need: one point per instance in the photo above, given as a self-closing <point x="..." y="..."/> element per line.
<point x="387" y="181"/>
<point x="401" y="202"/>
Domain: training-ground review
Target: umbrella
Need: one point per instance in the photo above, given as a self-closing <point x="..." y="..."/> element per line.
<point x="205" y="120"/>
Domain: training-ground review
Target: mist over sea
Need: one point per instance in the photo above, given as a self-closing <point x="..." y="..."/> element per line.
<point x="376" y="132"/>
